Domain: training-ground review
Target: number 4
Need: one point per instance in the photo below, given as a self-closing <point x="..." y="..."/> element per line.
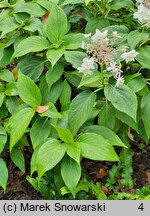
<point x="141" y="207"/>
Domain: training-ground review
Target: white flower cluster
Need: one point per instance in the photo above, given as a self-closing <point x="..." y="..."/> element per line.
<point x="87" y="66"/>
<point x="101" y="50"/>
<point x="143" y="13"/>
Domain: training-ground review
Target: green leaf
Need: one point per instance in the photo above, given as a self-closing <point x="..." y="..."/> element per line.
<point x="97" y="191"/>
<point x="71" y="173"/>
<point x="20" y="121"/>
<point x="74" y="78"/>
<point x="54" y="74"/>
<point x="2" y="96"/>
<point x="100" y="149"/>
<point x="94" y="80"/>
<point x="51" y="112"/>
<point x="96" y="23"/>
<point x="65" y="96"/>
<point x="106" y="116"/>
<point x="8" y="25"/>
<point x="122" y="30"/>
<point x="121" y="98"/>
<point x="74" y="151"/>
<point x="33" y="182"/>
<point x="18" y="159"/>
<point x="80" y="109"/>
<point x="116" y="5"/>
<point x="145" y="107"/>
<point x="2" y="88"/>
<point x="40" y="130"/>
<point x="143" y="57"/>
<point x="47" y="4"/>
<point x="28" y="91"/>
<point x="57" y="25"/>
<point x="95" y="147"/>
<point x="31" y="66"/>
<point x="11" y="89"/>
<point x="75" y="58"/>
<point x="64" y="134"/>
<point x="137" y="83"/>
<point x="126" y="119"/>
<point x="50" y="95"/>
<point x="105" y="133"/>
<point x="6" y="75"/>
<point x="4" y="4"/>
<point x="11" y="103"/>
<point x="49" y="155"/>
<point x="31" y="8"/>
<point x="7" y="55"/>
<point x="3" y="174"/>
<point x="53" y="55"/>
<point x="34" y="25"/>
<point x="135" y="37"/>
<point x="65" y="2"/>
<point x="3" y="138"/>
<point x="22" y="17"/>
<point x="73" y="40"/>
<point x="31" y="44"/>
<point x="33" y="164"/>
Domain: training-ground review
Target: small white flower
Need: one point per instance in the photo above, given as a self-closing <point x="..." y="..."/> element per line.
<point x="129" y="56"/>
<point x="87" y="66"/>
<point x="120" y="81"/>
<point x="83" y="45"/>
<point x="100" y="36"/>
<point x="143" y="15"/>
<point x="87" y="35"/>
<point x="116" y="35"/>
<point x="115" y="69"/>
<point x="124" y="48"/>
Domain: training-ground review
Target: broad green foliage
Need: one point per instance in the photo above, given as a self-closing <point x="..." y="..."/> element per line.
<point x="18" y="158"/>
<point x="135" y="37"/>
<point x="54" y="74"/>
<point x="122" y="98"/>
<point x="53" y="55"/>
<point x="49" y="155"/>
<point x="74" y="84"/>
<point x="28" y="91"/>
<point x="106" y="116"/>
<point x="75" y="57"/>
<point x="107" y="134"/>
<point x="80" y="110"/>
<point x="65" y="96"/>
<point x="3" y="138"/>
<point x="116" y="5"/>
<point x="145" y="106"/>
<point x="4" y="174"/>
<point x="71" y="173"/>
<point x="74" y="150"/>
<point x="40" y="130"/>
<point x="18" y="124"/>
<point x="95" y="147"/>
<point x="64" y="134"/>
<point x="73" y="41"/>
<point x="31" y="66"/>
<point x="57" y="25"/>
<point x="143" y="57"/>
<point x="31" y="44"/>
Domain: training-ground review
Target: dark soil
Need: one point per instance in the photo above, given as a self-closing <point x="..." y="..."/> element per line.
<point x="19" y="189"/>
<point x="98" y="171"/>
